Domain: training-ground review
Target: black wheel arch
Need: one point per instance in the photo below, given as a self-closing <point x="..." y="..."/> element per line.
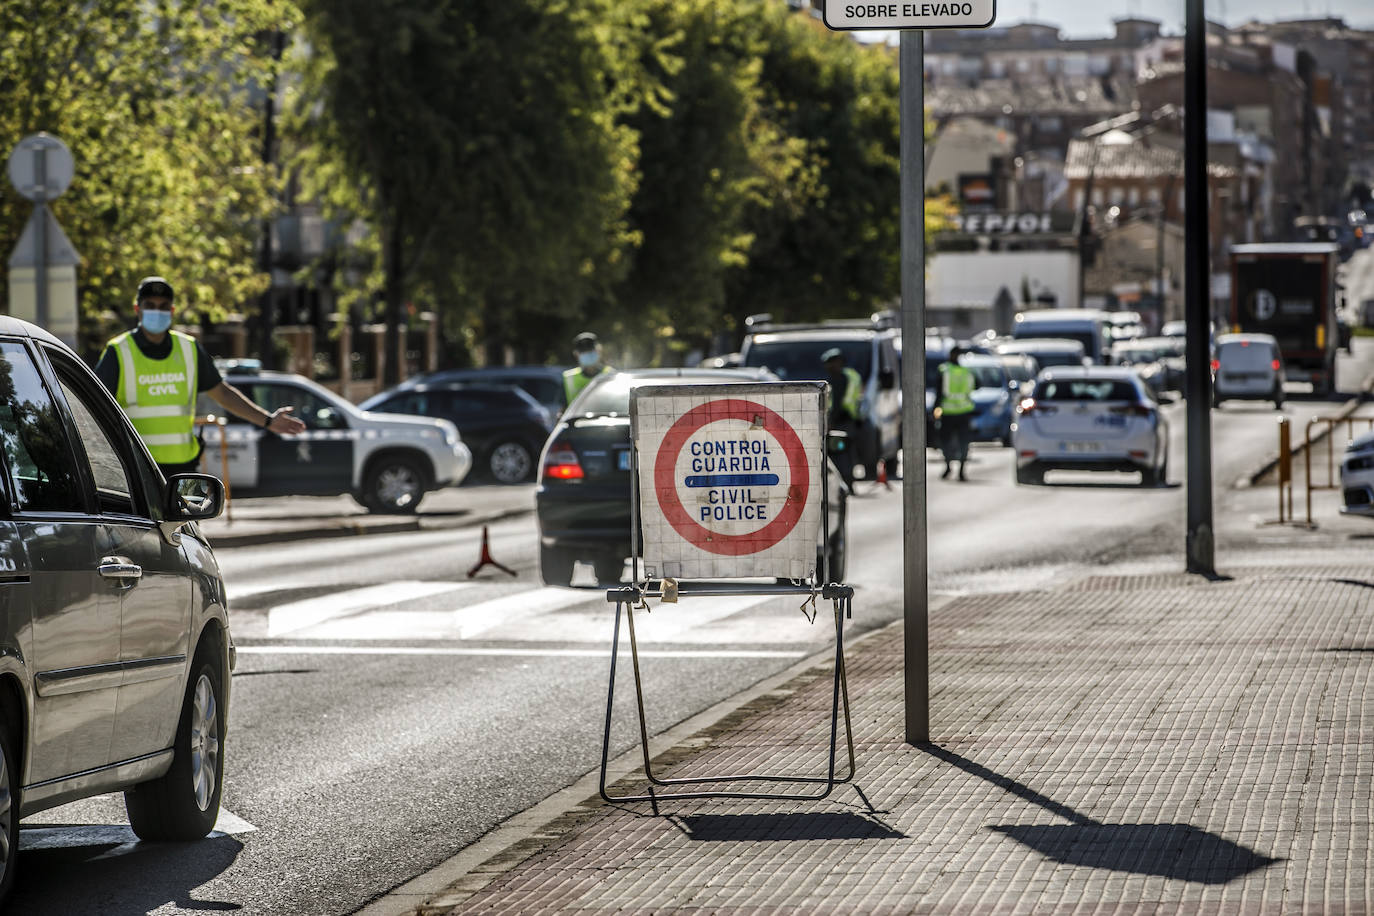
<point x="14" y="715"/>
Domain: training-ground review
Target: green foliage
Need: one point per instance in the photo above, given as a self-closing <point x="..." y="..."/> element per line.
<point x="159" y="103"/>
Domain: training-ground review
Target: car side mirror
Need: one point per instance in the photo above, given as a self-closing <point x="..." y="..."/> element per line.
<point x="193" y="497"/>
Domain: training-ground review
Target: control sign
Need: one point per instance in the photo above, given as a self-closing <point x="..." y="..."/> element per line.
<point x="730" y="478"/>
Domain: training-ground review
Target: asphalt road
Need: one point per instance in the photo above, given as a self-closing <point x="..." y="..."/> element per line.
<point x="387" y="711"/>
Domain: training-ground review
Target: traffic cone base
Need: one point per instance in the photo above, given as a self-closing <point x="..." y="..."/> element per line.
<point x="485" y="558"/>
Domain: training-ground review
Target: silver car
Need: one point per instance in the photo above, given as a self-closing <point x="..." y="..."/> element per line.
<point x="115" y="651"/>
<point x="1092" y="418"/>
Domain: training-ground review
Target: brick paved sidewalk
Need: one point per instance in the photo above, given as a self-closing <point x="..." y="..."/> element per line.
<point x="1138" y="744"/>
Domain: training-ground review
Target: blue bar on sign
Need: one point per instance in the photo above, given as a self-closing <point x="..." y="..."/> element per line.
<point x="733" y="480"/>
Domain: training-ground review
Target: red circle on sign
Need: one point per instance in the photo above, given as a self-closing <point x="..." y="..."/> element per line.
<point x="665" y="467"/>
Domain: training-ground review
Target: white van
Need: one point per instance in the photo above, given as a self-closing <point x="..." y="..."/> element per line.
<point x="1247" y="366"/>
<point x="1088" y="326"/>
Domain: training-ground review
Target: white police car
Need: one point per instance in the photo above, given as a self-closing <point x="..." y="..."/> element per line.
<point x="386" y="461"/>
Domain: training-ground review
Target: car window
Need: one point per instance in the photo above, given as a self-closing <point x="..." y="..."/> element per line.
<point x="112" y="481"/>
<point x="986" y="375"/>
<point x="38" y="458"/>
<point x="310" y="408"/>
<point x="612" y="396"/>
<point x="800" y="360"/>
<point x="1086" y="389"/>
<point x="545" y="391"/>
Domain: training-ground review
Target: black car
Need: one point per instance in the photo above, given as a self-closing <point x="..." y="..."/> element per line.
<point x="502" y="424"/>
<point x="583" y="499"/>
<point x="543" y="383"/>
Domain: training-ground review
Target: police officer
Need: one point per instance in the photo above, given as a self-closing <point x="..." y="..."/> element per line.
<point x="587" y="349"/>
<point x="846" y="399"/>
<point x="954" y="410"/>
<point x="155" y="374"/>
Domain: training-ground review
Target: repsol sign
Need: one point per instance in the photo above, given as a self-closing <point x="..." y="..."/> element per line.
<point x="1007" y="223"/>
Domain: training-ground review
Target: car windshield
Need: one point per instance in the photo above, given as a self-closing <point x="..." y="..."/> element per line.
<point x="1065" y="357"/>
<point x="800" y="359"/>
<point x="1086" y="389"/>
<point x="611" y="397"/>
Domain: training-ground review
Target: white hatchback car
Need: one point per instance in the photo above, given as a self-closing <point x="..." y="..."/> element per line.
<point x="1091" y="418"/>
<point x="1248" y="367"/>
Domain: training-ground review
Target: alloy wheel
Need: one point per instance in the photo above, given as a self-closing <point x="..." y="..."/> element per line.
<point x="204" y="742"/>
<point x="7" y="813"/>
<point x="510" y="462"/>
<point x="397" y="486"/>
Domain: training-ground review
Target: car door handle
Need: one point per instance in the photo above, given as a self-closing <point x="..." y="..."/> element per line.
<point x="119" y="568"/>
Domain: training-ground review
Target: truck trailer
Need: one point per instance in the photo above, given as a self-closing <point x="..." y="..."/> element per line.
<point x="1288" y="289"/>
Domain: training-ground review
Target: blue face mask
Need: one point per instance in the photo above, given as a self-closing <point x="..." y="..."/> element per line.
<point x="588" y="358"/>
<point x="155" y="321"/>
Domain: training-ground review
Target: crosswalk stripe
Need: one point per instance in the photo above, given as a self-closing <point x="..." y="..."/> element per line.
<point x="522" y="653"/>
<point x="299" y="615"/>
<point x="487" y="615"/>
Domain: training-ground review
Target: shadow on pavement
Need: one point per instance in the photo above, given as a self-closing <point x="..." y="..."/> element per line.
<point x="799" y="826"/>
<point x="1179" y="851"/>
<point x="93" y="869"/>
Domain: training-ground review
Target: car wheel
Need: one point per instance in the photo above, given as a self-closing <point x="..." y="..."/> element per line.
<point x="510" y="462"/>
<point x="394" y="486"/>
<point x="608" y="570"/>
<point x="1278" y="398"/>
<point x="839" y="558"/>
<point x="9" y="810"/>
<point x="1029" y="477"/>
<point x="556" y="566"/>
<point x="183" y="804"/>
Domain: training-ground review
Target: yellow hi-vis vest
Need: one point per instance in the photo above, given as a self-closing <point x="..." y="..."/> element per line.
<point x="574" y="380"/>
<point x="159" y="396"/>
<point x="958" y="397"/>
<point x="852" y="402"/>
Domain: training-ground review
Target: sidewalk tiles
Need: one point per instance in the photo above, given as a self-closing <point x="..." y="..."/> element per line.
<point x="1127" y="744"/>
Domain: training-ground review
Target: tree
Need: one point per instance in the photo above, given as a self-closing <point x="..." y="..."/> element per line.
<point x="484" y="141"/>
<point x="156" y="102"/>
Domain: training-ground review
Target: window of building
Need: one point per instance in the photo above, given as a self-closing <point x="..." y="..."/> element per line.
<point x="1117" y="195"/>
<point x="1133" y="197"/>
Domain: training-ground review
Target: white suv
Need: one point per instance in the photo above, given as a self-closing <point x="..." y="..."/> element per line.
<point x="386" y="461"/>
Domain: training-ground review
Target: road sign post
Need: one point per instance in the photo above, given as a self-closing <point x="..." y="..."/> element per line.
<point x="43" y="264"/>
<point x="912" y="18"/>
<point x="729" y="482"/>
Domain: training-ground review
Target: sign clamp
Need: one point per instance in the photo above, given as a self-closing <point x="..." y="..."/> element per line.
<point x="627" y="598"/>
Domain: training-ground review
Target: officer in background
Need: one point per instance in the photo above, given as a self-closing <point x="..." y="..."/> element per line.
<point x="846" y="399"/>
<point x="587" y="349"/>
<point x="954" y="410"/>
<point x="156" y="373"/>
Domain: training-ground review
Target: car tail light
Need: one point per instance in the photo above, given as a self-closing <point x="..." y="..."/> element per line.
<point x="1028" y="453"/>
<point x="1135" y="453"/>
<point x="561" y="463"/>
<point x="1276" y="365"/>
<point x="1030" y="405"/>
<point x="1132" y="410"/>
<point x="1245" y="343"/>
<point x="1216" y="364"/>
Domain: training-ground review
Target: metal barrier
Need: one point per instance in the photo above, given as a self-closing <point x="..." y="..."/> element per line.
<point x="212" y="420"/>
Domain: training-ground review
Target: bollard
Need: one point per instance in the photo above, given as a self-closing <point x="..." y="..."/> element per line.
<point x="1307" y="466"/>
<point x="1285" y="468"/>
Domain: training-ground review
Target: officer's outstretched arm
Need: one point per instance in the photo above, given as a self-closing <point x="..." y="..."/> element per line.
<point x="234" y="401"/>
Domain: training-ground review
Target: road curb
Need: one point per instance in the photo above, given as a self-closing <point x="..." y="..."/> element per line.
<point x="359" y="526"/>
<point x="516" y="839"/>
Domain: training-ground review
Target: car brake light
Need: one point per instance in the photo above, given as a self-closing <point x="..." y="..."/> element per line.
<point x="1245" y="343"/>
<point x="561" y="463"/>
<point x="1216" y="364"/>
<point x="1276" y="365"/>
<point x="1132" y="410"/>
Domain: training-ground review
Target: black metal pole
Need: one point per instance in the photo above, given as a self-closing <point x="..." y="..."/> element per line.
<point x="1200" y="544"/>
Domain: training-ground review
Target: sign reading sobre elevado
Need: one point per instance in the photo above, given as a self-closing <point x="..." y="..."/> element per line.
<point x="730" y="478"/>
<point x="910" y="14"/>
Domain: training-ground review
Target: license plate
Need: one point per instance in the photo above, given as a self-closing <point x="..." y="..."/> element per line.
<point x="1081" y="446"/>
<point x="622" y="460"/>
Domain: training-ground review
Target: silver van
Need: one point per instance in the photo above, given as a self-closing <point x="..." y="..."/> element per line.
<point x="1087" y="326"/>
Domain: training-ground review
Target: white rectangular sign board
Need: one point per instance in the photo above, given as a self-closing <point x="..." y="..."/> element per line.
<point x="910" y="14"/>
<point x="730" y="478"/>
